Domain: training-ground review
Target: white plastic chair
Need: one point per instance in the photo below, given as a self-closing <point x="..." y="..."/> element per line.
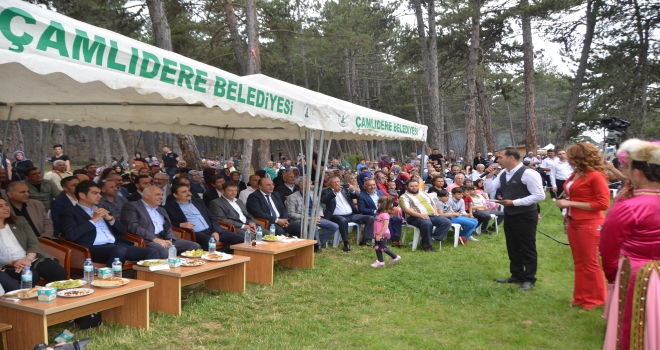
<point x="613" y="192"/>
<point x="457" y="233"/>
<point x="335" y="241"/>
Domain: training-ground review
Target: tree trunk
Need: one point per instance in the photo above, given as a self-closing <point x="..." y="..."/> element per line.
<point x="470" y="110"/>
<point x="160" y="26"/>
<point x="131" y="144"/>
<point x="236" y="41"/>
<point x="530" y="88"/>
<point x="511" y="133"/>
<point x="347" y="74"/>
<point x="593" y="7"/>
<point x="484" y="107"/>
<point x="304" y="66"/>
<point x="107" y="153"/>
<point x="59" y="130"/>
<point x="93" y="144"/>
<point x="354" y="78"/>
<point x="254" y="56"/>
<point x="246" y="157"/>
<point x="430" y="59"/>
<point x="122" y="146"/>
<point x="15" y="138"/>
<point x="190" y="152"/>
<point x="643" y="37"/>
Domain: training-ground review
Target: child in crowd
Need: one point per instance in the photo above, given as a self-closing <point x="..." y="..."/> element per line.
<point x="481" y="211"/>
<point x="391" y="190"/>
<point x="382" y="231"/>
<point x="468" y="224"/>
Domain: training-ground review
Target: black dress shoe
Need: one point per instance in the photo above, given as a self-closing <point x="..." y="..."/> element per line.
<point x="526" y="286"/>
<point x="317" y="248"/>
<point x="347" y="247"/>
<point x="429" y="248"/>
<point x="365" y="242"/>
<point x="508" y="280"/>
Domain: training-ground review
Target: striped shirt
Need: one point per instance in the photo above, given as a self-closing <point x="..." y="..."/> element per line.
<point x="420" y="203"/>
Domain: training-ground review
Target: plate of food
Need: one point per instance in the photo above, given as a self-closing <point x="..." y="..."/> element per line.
<point x="75" y="293"/>
<point x="23" y="293"/>
<point x="192" y="262"/>
<point x="66" y="284"/>
<point x="152" y="262"/>
<point x="216" y="257"/>
<point x="112" y="282"/>
<point x="193" y="253"/>
<point x="273" y="238"/>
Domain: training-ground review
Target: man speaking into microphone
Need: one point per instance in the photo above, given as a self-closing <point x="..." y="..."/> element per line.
<point x="521" y="189"/>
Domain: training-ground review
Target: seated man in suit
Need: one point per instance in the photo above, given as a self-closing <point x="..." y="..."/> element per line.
<point x="368" y="199"/>
<point x="267" y="204"/>
<point x="141" y="182"/>
<point x="177" y="180"/>
<point x="339" y="207"/>
<point x="162" y="181"/>
<point x="215" y="192"/>
<point x="288" y="187"/>
<point x="33" y="211"/>
<point x="65" y="200"/>
<point x="147" y="219"/>
<point x="189" y="212"/>
<point x="95" y="229"/>
<point x="231" y="210"/>
<point x="295" y="205"/>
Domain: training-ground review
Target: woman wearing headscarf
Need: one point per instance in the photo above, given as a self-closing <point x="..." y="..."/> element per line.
<point x="630" y="251"/>
<point x="139" y="162"/>
<point x="197" y="184"/>
<point x="19" y="166"/>
<point x="208" y="173"/>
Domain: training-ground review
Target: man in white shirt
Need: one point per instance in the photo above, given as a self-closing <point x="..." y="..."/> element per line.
<point x="59" y="172"/>
<point x="521" y="189"/>
<point x="559" y="173"/>
<point x="254" y="185"/>
<point x="340" y="209"/>
<point x="546" y="166"/>
<point x="232" y="210"/>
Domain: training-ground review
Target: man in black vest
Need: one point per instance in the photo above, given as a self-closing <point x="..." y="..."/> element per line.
<point x="521" y="189"/>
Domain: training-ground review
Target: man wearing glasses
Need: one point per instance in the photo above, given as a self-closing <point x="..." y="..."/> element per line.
<point x="521" y="189"/>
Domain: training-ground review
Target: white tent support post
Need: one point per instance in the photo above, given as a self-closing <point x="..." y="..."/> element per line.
<point x="316" y="199"/>
<point x="422" y="162"/>
<point x="320" y="170"/>
<point x="308" y="175"/>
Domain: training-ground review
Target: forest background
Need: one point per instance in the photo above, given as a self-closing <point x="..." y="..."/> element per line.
<point x="475" y="71"/>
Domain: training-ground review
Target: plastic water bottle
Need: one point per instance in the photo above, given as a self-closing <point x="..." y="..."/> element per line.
<point x="272" y="229"/>
<point x="211" y="245"/>
<point x="88" y="271"/>
<point x="116" y="268"/>
<point x="171" y="254"/>
<point x="248" y="237"/>
<point x="26" y="278"/>
<point x="260" y="234"/>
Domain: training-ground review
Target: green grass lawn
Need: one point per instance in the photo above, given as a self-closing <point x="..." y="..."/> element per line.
<point x="443" y="300"/>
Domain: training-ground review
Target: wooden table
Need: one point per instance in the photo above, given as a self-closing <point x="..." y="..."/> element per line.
<point x="127" y="305"/>
<point x="262" y="257"/>
<point x="166" y="295"/>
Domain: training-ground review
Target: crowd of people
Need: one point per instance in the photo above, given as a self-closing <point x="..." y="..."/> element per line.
<point x="96" y="206"/>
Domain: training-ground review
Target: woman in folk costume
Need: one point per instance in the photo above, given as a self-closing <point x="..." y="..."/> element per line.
<point x="630" y="251"/>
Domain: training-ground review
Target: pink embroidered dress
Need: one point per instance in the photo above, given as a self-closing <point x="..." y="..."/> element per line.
<point x="379" y="220"/>
<point x="630" y="251"/>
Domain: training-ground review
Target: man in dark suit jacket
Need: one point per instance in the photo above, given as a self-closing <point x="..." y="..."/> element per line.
<point x="340" y="209"/>
<point x="141" y="182"/>
<point x="189" y="212"/>
<point x="65" y="200"/>
<point x="215" y="192"/>
<point x="95" y="229"/>
<point x="289" y="186"/>
<point x="367" y="201"/>
<point x="147" y="219"/>
<point x="266" y="204"/>
<point x="223" y="209"/>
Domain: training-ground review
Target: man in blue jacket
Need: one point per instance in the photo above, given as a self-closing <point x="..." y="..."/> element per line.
<point x="368" y="199"/>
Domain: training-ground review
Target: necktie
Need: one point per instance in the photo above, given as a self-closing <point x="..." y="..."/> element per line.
<point x="270" y="206"/>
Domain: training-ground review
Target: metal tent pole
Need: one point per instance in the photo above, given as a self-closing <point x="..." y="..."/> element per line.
<point x="316" y="199"/>
<point x="308" y="176"/>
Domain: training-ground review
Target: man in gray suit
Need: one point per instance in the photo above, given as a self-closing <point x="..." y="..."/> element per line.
<point x="232" y="210"/>
<point x="32" y="210"/>
<point x="147" y="219"/>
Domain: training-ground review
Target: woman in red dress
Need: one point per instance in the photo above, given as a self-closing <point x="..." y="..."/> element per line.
<point x="588" y="197"/>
